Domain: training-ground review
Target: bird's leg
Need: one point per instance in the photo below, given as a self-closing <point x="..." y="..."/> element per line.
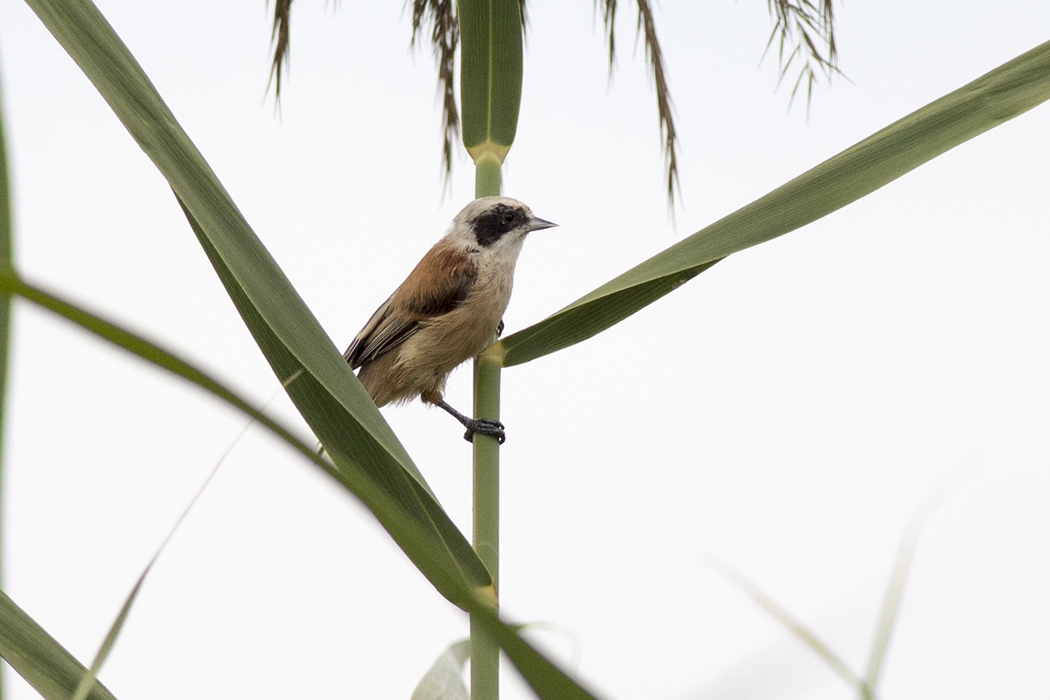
<point x="484" y="426"/>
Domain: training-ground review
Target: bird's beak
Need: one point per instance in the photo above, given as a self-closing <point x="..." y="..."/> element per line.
<point x="537" y="224"/>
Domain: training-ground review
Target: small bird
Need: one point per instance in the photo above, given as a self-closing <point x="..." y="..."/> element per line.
<point x="446" y="311"/>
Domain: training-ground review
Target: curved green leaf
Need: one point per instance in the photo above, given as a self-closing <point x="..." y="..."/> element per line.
<point x="334" y="404"/>
<point x="38" y="658"/>
<point x="996" y="97"/>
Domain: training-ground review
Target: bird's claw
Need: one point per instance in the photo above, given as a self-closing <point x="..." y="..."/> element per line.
<point x="499" y="329"/>
<point x="484" y="426"/>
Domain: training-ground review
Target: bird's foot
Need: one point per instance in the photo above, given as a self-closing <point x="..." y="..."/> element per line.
<point x="499" y="328"/>
<point x="480" y="426"/>
<point x="484" y="426"/>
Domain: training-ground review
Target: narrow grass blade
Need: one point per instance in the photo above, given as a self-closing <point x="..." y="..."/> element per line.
<point x="804" y="634"/>
<point x="996" y="97"/>
<point x="89" y="679"/>
<point x="899" y="576"/>
<point x="333" y="402"/>
<point x="444" y="680"/>
<point x="490" y="74"/>
<point x="38" y="658"/>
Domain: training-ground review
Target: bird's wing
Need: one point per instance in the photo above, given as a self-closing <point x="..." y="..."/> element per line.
<point x="449" y="277"/>
<point x="375" y="337"/>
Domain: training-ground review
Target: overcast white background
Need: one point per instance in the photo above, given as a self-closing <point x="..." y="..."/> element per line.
<point x="787" y="411"/>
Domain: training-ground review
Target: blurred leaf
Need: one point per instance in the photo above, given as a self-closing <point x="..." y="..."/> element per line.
<point x="899" y="576"/>
<point x="11" y="284"/>
<point x="89" y="679"/>
<point x="6" y="263"/>
<point x="38" y="658"/>
<point x="490" y="73"/>
<point x="366" y="452"/>
<point x="996" y="97"/>
<point x="803" y="633"/>
<point x="444" y="679"/>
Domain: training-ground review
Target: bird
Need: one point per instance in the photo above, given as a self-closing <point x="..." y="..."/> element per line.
<point x="446" y="311"/>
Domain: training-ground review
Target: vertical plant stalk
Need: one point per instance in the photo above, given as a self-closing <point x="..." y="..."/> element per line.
<point x="491" y="70"/>
<point x="7" y="265"/>
<point x="484" y="659"/>
<point x="484" y="656"/>
<point x="484" y="650"/>
<point x="486" y="465"/>
<point x="488" y="179"/>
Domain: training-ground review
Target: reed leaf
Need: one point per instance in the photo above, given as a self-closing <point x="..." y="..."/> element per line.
<point x="996" y="97"/>
<point x="38" y="658"/>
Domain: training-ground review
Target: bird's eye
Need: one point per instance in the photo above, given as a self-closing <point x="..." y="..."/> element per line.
<point x="508" y="217"/>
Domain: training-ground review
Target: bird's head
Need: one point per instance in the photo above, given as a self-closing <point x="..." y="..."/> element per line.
<point x="493" y="222"/>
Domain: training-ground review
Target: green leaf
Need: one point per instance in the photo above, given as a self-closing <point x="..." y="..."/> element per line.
<point x="537" y="670"/>
<point x="89" y="680"/>
<point x="996" y="97"/>
<point x="490" y="75"/>
<point x="365" y="451"/>
<point x="38" y="658"/>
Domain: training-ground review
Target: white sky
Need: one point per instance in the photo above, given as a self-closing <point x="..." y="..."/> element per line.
<point x="787" y="411"/>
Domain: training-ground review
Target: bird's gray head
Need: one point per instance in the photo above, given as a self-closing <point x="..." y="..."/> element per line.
<point x="492" y="219"/>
